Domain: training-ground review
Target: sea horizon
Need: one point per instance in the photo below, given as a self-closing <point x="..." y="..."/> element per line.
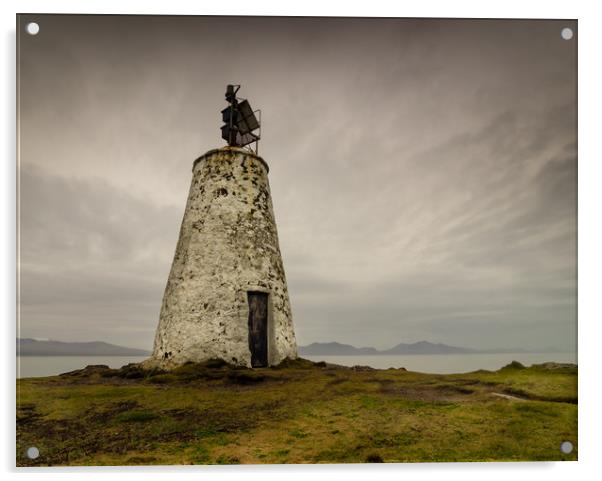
<point x="29" y="366"/>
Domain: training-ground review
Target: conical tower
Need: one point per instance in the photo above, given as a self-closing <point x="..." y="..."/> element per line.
<point x="226" y="296"/>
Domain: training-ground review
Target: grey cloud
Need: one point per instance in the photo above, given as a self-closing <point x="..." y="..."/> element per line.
<point x="423" y="172"/>
<point x="93" y="258"/>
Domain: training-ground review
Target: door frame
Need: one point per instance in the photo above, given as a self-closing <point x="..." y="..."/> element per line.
<point x="270" y="319"/>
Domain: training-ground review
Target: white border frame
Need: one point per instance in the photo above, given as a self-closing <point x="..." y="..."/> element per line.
<point x="589" y="242"/>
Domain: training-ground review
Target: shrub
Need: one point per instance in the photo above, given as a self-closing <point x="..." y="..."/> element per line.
<point x="374" y="458"/>
<point x="215" y="363"/>
<point x="514" y="365"/>
<point x="298" y="363"/>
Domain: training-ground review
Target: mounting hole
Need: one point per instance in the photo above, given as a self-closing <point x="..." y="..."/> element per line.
<point x="566" y="33"/>
<point x="33" y="452"/>
<point x="32" y="28"/>
<point x="566" y="447"/>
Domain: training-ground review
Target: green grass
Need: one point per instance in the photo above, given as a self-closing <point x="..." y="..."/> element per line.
<point x="136" y="416"/>
<point x="298" y="413"/>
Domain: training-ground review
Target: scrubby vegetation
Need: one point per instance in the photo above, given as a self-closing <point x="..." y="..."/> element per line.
<point x="298" y="412"/>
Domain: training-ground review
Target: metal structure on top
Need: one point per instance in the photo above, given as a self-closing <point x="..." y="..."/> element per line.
<point x="242" y="125"/>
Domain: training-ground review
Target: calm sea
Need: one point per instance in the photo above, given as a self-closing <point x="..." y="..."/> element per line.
<point x="38" y="366"/>
<point x="448" y="363"/>
<point x="33" y="366"/>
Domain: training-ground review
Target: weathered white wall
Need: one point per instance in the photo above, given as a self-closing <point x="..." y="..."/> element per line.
<point x="228" y="245"/>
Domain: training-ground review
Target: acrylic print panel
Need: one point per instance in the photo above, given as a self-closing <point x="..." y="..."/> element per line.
<point x="380" y="266"/>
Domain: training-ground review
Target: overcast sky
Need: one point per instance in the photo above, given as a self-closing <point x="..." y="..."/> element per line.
<point x="423" y="172"/>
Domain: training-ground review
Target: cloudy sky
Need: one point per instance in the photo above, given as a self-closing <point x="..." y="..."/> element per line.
<point x="423" y="172"/>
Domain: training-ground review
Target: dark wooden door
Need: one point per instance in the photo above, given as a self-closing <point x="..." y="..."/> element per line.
<point x="258" y="328"/>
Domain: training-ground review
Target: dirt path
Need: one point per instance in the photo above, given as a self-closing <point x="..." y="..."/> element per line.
<point x="508" y="396"/>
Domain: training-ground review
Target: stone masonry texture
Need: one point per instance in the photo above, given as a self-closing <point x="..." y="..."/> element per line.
<point x="228" y="245"/>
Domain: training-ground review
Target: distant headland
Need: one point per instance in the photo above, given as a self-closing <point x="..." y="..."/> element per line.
<point x="47" y="347"/>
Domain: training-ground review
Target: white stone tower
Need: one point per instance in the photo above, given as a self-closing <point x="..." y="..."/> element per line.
<point x="226" y="296"/>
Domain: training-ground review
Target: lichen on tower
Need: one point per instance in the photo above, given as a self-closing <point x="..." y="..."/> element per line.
<point x="226" y="294"/>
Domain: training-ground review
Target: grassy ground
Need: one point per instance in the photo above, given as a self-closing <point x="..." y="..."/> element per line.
<point x="299" y="413"/>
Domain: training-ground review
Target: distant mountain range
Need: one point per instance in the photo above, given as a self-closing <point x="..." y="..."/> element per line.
<point x="422" y="347"/>
<point x="35" y="347"/>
